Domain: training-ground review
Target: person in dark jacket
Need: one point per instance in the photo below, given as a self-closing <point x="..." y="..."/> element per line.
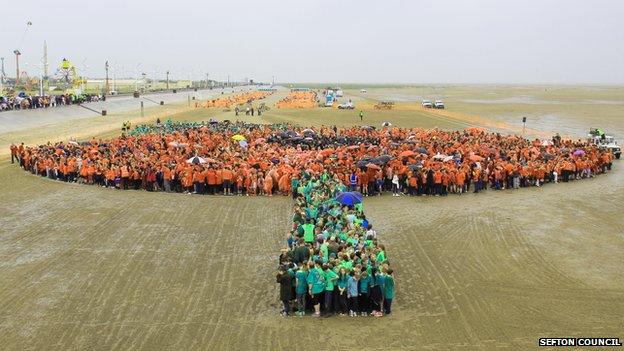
<point x="285" y="280"/>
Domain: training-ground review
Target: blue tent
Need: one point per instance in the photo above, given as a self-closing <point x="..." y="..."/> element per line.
<point x="349" y="198"/>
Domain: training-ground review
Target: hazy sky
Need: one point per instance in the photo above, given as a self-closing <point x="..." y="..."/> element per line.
<point x="384" y="41"/>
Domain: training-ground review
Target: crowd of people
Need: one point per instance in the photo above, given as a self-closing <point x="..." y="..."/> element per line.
<point x="334" y="263"/>
<point x="298" y="99"/>
<point x="239" y="99"/>
<point x="25" y="102"/>
<point x="412" y="162"/>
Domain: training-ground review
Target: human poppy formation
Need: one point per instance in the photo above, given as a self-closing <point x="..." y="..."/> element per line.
<point x="334" y="260"/>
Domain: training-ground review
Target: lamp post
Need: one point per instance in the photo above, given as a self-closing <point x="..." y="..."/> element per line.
<point x="107" y="88"/>
<point x="2" y="74"/>
<point x="17" y="71"/>
<point x="136" y="79"/>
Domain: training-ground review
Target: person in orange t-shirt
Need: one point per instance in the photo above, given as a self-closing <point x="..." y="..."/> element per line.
<point x="166" y="178"/>
<point x="437" y="180"/>
<point x="227" y="175"/>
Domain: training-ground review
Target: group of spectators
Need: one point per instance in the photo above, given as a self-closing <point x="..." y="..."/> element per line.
<point x="25" y="102"/>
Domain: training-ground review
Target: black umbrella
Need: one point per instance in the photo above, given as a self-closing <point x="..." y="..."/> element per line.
<point x="414" y="167"/>
<point x="362" y="164"/>
<point x="422" y="150"/>
<point x="377" y="161"/>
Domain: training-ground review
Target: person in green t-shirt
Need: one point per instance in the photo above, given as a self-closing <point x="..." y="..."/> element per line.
<point x="388" y="291"/>
<point x="364" y="296"/>
<point x="341" y="283"/>
<point x="308" y="232"/>
<point x="301" y="289"/>
<point x="325" y="251"/>
<point x="294" y="185"/>
<point x="330" y="278"/>
<point x="381" y="255"/>
<point x="316" y="286"/>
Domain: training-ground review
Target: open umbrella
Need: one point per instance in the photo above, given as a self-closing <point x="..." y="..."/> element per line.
<point x="243" y="143"/>
<point x="439" y="157"/>
<point x="349" y="198"/>
<point x="407" y="153"/>
<point x="238" y="137"/>
<point x="196" y="160"/>
<point x="384" y="158"/>
<point x="372" y="166"/>
<point x="422" y="150"/>
<point x="447" y="158"/>
<point x="579" y="152"/>
<point x="362" y="163"/>
<point x="377" y="162"/>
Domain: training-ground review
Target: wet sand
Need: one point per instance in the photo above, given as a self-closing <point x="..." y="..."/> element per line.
<point x="89" y="268"/>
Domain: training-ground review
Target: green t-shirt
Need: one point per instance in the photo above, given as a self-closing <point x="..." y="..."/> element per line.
<point x="359" y="207"/>
<point x="308" y="232"/>
<point x="325" y="252"/>
<point x="348" y="265"/>
<point x="302" y="280"/>
<point x="312" y="212"/>
<point x="381" y="257"/>
<point x="352" y="240"/>
<point x="342" y="281"/>
<point x="330" y="278"/>
<point x="364" y="284"/>
<point x="343" y="236"/>
<point x="316" y="278"/>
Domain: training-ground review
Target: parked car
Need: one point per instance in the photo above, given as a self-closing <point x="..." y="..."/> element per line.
<point x="346" y="106"/>
<point x="439" y="104"/>
<point x="604" y="141"/>
<point x="426" y="104"/>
